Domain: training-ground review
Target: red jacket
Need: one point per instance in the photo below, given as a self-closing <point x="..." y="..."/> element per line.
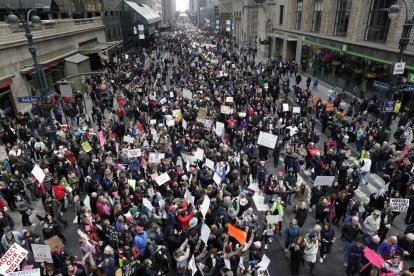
<point x="184" y="221"/>
<point x="59" y="192"/>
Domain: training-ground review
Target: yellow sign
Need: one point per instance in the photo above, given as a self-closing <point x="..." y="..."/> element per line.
<point x="86" y="146"/>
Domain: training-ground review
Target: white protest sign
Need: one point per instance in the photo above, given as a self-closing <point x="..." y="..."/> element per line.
<point x="205" y="205"/>
<point x="41" y="253"/>
<point x="153" y="122"/>
<point x="205" y="233"/>
<point x="147" y="204"/>
<point x="189" y="197"/>
<point x="161" y="179"/>
<point x="38" y="173"/>
<point x="272" y="219"/>
<point x="184" y="124"/>
<point x="171" y="123"/>
<point x="285" y="107"/>
<point x="188" y="159"/>
<point x="219" y="128"/>
<point x="12" y="259"/>
<point x="264" y="263"/>
<point x="267" y="140"/>
<point x="128" y="139"/>
<point x="30" y="272"/>
<point x="266" y="86"/>
<point x="187" y="94"/>
<point x="324" y="180"/>
<point x="217" y="178"/>
<point x="192" y="266"/>
<point x="208" y="124"/>
<point x="296" y="109"/>
<point x="209" y="164"/>
<point x="199" y="154"/>
<point x="225" y="109"/>
<point x="229" y="99"/>
<point x="399" y="204"/>
<point x="242" y="114"/>
<point x="133" y="153"/>
<point x="156" y="157"/>
<point x="163" y="101"/>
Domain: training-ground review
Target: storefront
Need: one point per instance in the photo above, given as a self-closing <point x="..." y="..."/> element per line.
<point x="7" y="107"/>
<point x="350" y="67"/>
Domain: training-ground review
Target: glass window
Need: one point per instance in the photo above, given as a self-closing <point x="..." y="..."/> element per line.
<point x="299" y="8"/>
<point x="378" y="21"/>
<point x="342" y="17"/>
<point x="281" y="11"/>
<point x="317" y="16"/>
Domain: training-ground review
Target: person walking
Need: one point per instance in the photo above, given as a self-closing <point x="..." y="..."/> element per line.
<point x="24" y="209"/>
<point x="355" y="253"/>
<point x="365" y="164"/>
<point x="291" y="233"/>
<point x="296" y="249"/>
<point x="350" y="231"/>
<point x="311" y="250"/>
<point x="327" y="239"/>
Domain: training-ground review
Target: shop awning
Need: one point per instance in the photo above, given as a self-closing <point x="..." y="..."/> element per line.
<point x="5" y="80"/>
<point x="149" y="15"/>
<point x="98" y="47"/>
<point x="282" y="36"/>
<point x="27" y="4"/>
<point x="78" y="58"/>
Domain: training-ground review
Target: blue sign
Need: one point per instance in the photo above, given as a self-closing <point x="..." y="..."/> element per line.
<point x="29" y="99"/>
<point x="389" y="106"/>
<point x="381" y="85"/>
<point x="408" y="88"/>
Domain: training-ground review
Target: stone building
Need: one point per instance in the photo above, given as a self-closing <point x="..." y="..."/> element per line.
<point x="349" y="44"/>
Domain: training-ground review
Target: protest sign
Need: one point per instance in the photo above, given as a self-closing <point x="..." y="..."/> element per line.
<point x="147" y="204"/>
<point x="225" y="109"/>
<point x="189" y="197"/>
<point x="156" y="157"/>
<point x="86" y="146"/>
<point x="217" y="178"/>
<point x="192" y="266"/>
<point x="242" y="114"/>
<point x="324" y="180"/>
<point x="272" y="219"/>
<point x="163" y="101"/>
<point x="177" y="115"/>
<point x="296" y="109"/>
<point x="205" y="233"/>
<point x="187" y="94"/>
<point x="132" y="183"/>
<point x="130" y="269"/>
<point x="199" y="154"/>
<point x="399" y="204"/>
<point x="184" y="124"/>
<point x="267" y="140"/>
<point x="153" y="122"/>
<point x="102" y="140"/>
<point x="29" y="272"/>
<point x="208" y="124"/>
<point x="219" y="128"/>
<point x="188" y="159"/>
<point x="238" y="234"/>
<point x="133" y="153"/>
<point x="41" y="253"/>
<point x="171" y="123"/>
<point x="113" y="235"/>
<point x="285" y="107"/>
<point x="264" y="263"/>
<point x="128" y="139"/>
<point x="209" y="164"/>
<point x="161" y="179"/>
<point x="229" y="99"/>
<point x="38" y="173"/>
<point x="205" y="205"/>
<point x="12" y="258"/>
<point x="54" y="243"/>
<point x="202" y="113"/>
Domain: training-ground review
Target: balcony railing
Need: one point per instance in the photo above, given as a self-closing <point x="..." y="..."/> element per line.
<point x="48" y="28"/>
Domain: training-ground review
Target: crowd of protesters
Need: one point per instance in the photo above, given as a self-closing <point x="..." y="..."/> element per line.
<point x="172" y="153"/>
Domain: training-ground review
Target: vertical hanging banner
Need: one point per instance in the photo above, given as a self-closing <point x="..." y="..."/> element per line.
<point x="141" y="32"/>
<point x="217" y="24"/>
<point x="228" y="25"/>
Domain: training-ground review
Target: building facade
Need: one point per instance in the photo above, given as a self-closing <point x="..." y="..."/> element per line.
<point x="349" y="44"/>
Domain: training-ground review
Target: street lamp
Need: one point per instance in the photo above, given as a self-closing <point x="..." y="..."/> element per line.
<point x="39" y="77"/>
<point x="393" y="12"/>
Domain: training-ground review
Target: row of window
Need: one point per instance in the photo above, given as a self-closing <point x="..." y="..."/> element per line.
<point x="378" y="21"/>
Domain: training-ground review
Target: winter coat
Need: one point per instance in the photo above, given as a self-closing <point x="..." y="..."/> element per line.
<point x="291" y="233"/>
<point x="140" y="241"/>
<point x="311" y="250"/>
<point x="355" y="253"/>
<point x="59" y="192"/>
<point x="372" y="225"/>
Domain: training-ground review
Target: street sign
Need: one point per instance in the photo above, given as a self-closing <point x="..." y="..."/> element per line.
<point x="29" y="99"/>
<point x="381" y="85"/>
<point x="399" y="68"/>
<point x="389" y="106"/>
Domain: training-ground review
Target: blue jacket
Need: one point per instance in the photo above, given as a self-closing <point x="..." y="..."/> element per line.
<point x="385" y="249"/>
<point x="134" y="165"/>
<point x="355" y="253"/>
<point x="140" y="240"/>
<point x="291" y="233"/>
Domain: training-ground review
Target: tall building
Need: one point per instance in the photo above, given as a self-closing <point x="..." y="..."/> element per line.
<point x="346" y="43"/>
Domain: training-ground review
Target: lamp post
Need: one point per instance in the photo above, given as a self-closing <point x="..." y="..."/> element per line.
<point x="39" y="77"/>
